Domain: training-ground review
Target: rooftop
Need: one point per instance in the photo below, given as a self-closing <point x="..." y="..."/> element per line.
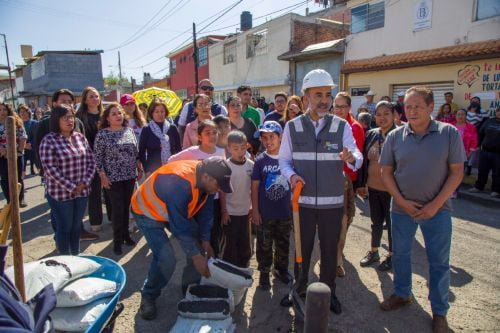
<point x="443" y="55"/>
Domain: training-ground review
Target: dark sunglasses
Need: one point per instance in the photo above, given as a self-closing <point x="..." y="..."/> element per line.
<point x="207" y="88"/>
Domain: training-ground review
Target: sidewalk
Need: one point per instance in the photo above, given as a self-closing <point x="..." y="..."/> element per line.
<point x="483" y="197"/>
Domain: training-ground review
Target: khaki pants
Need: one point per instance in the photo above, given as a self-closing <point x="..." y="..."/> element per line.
<point x="349" y="211"/>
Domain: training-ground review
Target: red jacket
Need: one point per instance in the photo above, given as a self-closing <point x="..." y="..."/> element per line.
<point x="359" y="136"/>
<point x="469" y="138"/>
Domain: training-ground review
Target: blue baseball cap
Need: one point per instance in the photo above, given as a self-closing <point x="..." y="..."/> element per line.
<point x="270" y="126"/>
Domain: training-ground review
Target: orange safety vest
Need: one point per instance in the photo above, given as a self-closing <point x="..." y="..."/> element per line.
<point x="146" y="202"/>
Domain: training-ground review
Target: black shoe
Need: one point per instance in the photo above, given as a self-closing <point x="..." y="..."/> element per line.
<point x="264" y="283"/>
<point x="282" y="275"/>
<point x="386" y="264"/>
<point x="147" y="309"/>
<point x="117" y="249"/>
<point x="335" y="306"/>
<point x="129" y="241"/>
<point x="23" y="204"/>
<point x="369" y="259"/>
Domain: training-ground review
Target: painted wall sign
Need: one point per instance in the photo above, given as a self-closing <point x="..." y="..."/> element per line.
<point x="468" y="75"/>
<point x="422" y="15"/>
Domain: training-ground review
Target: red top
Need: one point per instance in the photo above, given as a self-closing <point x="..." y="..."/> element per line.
<point x="359" y="136"/>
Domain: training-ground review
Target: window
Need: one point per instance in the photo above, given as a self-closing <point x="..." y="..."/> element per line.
<point x="257" y="43"/>
<point x="367" y="17"/>
<point x="230" y="53"/>
<point x="486" y="9"/>
<point x="256" y="92"/>
<point x="202" y="56"/>
<point x="173" y="67"/>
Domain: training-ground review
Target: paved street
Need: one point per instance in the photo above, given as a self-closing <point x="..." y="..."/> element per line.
<point x="475" y="278"/>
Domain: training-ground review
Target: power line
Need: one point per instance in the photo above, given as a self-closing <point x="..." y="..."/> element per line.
<point x="295" y="6"/>
<point x="141" y="28"/>
<point x="177" y="36"/>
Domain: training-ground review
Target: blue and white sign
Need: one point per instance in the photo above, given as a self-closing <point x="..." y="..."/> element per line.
<point x="422" y="16"/>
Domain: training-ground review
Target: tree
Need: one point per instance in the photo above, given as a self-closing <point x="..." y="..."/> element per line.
<point x="114" y="80"/>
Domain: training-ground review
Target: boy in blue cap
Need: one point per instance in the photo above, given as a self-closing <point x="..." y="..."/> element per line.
<point x="271" y="209"/>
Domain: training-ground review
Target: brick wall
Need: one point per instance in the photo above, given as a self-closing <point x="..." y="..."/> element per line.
<point x="305" y="34"/>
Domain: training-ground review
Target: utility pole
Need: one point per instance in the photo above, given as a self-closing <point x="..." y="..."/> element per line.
<point x="10" y="75"/>
<point x="132" y="83"/>
<point x="195" y="57"/>
<point x="119" y="73"/>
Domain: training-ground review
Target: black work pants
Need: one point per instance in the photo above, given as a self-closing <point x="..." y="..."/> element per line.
<point x="95" y="202"/>
<point x="120" y="195"/>
<point x="237" y="249"/>
<point x="328" y="222"/>
<point x="4" y="177"/>
<point x="488" y="161"/>
<point x="380" y="211"/>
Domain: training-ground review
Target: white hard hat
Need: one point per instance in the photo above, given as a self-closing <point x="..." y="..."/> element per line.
<point x="317" y="78"/>
<point x="370" y="93"/>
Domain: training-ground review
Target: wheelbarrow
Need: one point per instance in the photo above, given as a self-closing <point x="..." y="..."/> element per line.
<point x="109" y="270"/>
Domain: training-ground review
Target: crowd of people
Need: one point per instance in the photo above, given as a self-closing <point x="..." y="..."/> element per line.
<point x="217" y="173"/>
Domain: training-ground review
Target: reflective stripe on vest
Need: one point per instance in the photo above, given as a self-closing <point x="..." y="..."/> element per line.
<point x="321" y="201"/>
<point x="146" y="202"/>
<point x="316" y="156"/>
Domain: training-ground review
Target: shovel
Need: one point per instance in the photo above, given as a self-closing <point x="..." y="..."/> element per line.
<point x="293" y="297"/>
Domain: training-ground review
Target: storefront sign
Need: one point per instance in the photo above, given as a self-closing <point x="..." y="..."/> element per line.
<point x="468" y="75"/>
<point x="483" y="81"/>
<point x="422" y="16"/>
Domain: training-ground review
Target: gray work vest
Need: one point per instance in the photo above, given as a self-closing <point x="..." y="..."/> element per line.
<point x="317" y="160"/>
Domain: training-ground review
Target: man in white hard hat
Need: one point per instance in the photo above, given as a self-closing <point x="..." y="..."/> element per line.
<point x="313" y="150"/>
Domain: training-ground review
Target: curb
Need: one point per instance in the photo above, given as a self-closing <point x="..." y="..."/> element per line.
<point x="482" y="198"/>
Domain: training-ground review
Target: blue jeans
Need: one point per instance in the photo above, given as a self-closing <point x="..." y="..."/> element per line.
<point x="163" y="262"/>
<point x="437" y="237"/>
<point x="68" y="216"/>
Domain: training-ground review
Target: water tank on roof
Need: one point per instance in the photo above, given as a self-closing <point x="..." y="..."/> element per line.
<point x="246" y="21"/>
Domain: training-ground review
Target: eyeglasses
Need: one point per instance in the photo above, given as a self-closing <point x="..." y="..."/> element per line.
<point x="342" y="107"/>
<point x="68" y="118"/>
<point x="209" y="88"/>
<point x="204" y="105"/>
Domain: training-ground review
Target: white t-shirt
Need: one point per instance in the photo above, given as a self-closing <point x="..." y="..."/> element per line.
<point x="239" y="202"/>
<point x="194" y="153"/>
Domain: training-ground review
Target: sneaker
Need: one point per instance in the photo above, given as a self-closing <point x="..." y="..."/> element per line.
<point x="394" y="302"/>
<point x="282" y="275"/>
<point x="147" y="309"/>
<point x="474" y="190"/>
<point x="385" y="265"/>
<point x="369" y="259"/>
<point x="88" y="236"/>
<point x="495" y="194"/>
<point x="129" y="241"/>
<point x="439" y="324"/>
<point x="117" y="248"/>
<point x="96" y="228"/>
<point x="335" y="306"/>
<point x="23" y="204"/>
<point x="340" y="271"/>
<point x="264" y="283"/>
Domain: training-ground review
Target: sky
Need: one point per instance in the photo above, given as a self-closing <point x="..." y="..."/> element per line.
<point x="143" y="31"/>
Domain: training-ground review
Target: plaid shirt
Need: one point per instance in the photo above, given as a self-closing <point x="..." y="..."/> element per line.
<point x="66" y="163"/>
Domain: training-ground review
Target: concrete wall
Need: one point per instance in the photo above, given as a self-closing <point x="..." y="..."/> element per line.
<point x="71" y="71"/>
<point x="258" y="71"/>
<point x="452" y="22"/>
<point x="330" y="64"/>
<point x="469" y="78"/>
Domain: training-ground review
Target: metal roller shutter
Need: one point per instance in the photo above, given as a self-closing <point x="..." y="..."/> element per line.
<point x="438" y="88"/>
